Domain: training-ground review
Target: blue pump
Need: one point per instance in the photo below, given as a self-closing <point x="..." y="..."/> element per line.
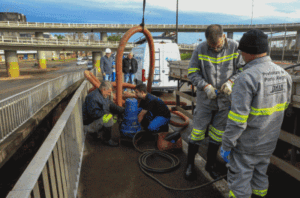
<point x="130" y="125"/>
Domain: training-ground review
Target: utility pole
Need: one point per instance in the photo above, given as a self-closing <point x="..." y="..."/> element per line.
<point x="177" y="23"/>
<point x="252" y="11"/>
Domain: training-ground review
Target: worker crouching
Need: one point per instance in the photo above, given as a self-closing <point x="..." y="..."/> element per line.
<point x="154" y="114"/>
<point x="97" y="113"/>
<point x="259" y="97"/>
<point x="214" y="66"/>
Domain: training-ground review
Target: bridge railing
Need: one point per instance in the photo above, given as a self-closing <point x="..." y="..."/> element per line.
<point x="17" y="109"/>
<point x="162" y="26"/>
<point x="46" y="41"/>
<point x="55" y="169"/>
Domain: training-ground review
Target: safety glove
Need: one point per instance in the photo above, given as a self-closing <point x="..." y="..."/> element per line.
<point x="225" y="154"/>
<point x="226" y="88"/>
<point x="210" y="92"/>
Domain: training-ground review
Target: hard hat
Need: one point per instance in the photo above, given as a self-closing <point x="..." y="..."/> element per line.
<point x="108" y="51"/>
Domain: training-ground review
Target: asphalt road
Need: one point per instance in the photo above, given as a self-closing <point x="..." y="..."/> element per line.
<point x="12" y="87"/>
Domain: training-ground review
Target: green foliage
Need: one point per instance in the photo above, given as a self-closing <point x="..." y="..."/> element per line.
<point x="114" y="37"/>
<point x="59" y="36"/>
<point x="186" y="56"/>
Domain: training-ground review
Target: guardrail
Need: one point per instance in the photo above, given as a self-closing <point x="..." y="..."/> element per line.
<point x="149" y="26"/>
<point x="17" y="109"/>
<point x="55" y="169"/>
<point x="77" y="43"/>
<point x="44" y="41"/>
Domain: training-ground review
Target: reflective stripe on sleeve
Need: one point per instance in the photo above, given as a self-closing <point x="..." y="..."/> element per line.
<point x="231" y="194"/>
<point x="193" y="70"/>
<point x="106" y="118"/>
<point x="237" y="117"/>
<point x="260" y="193"/>
<point x="269" y="111"/>
<point x="197" y="135"/>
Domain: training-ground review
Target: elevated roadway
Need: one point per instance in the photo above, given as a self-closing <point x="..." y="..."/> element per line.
<point x="16" y="43"/>
<point x="9" y="26"/>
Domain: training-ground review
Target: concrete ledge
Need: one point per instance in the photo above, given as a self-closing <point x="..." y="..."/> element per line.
<point x="11" y="144"/>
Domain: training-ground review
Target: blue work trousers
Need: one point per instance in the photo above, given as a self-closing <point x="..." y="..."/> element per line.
<point x="107" y="77"/>
<point x="155" y="124"/>
<point x="129" y="77"/>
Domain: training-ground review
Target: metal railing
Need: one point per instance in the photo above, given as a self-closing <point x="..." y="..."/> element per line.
<point x="72" y="43"/>
<point x="149" y="26"/>
<point x="57" y="42"/>
<point x="17" y="109"/>
<point x="55" y="169"/>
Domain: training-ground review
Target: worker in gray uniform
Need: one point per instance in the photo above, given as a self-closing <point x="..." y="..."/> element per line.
<point x="259" y="97"/>
<point x="214" y="66"/>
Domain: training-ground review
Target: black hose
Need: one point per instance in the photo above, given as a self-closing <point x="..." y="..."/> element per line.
<point x="175" y="162"/>
<point x="292" y="66"/>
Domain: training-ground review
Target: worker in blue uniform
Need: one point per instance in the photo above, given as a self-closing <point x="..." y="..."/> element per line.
<point x="97" y="113"/>
<point x="154" y="114"/>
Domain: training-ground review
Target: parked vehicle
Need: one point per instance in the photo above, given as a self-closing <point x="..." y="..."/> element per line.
<point x="90" y="65"/>
<point x="165" y="50"/>
<point x="81" y="62"/>
<point x="79" y="58"/>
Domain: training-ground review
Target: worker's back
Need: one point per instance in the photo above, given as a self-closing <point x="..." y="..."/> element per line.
<point x="263" y="90"/>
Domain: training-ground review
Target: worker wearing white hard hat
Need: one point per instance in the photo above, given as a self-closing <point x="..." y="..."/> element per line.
<point x="106" y="65"/>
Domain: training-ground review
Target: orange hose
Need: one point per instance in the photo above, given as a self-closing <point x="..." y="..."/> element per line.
<point x="181" y="115"/>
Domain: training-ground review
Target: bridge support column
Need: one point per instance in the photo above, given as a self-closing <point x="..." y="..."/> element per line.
<point x="289" y="44"/>
<point x="12" y="63"/>
<point x="298" y="40"/>
<point x="96" y="60"/>
<point x="41" y="55"/>
<point x="230" y="35"/>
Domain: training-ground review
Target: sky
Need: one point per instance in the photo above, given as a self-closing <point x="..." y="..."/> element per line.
<point x="191" y="12"/>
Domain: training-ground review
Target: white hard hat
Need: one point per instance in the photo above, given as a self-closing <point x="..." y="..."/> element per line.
<point x="107" y="50"/>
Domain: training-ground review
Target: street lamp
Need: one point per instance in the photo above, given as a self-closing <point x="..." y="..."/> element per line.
<point x="177" y="23"/>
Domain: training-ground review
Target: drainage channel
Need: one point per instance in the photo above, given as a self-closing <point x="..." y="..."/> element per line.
<point x="11" y="171"/>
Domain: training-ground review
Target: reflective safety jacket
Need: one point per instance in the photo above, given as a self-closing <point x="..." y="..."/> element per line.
<point x="96" y="106"/>
<point x="209" y="67"/>
<point x="259" y="97"/>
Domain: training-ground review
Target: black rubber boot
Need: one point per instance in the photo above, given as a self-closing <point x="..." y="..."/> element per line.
<point x="211" y="159"/>
<point x="190" y="173"/>
<point x="107" y="137"/>
<point x="256" y="196"/>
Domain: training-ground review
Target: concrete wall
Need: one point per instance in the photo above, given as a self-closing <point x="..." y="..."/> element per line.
<point x="12" y="16"/>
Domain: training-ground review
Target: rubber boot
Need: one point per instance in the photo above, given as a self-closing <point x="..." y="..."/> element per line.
<point x="190" y="173"/>
<point x="256" y="196"/>
<point x="107" y="137"/>
<point x="211" y="159"/>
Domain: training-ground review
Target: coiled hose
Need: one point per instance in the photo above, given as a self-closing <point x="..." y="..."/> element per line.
<point x="175" y="163"/>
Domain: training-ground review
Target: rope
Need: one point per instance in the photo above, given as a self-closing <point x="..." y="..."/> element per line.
<point x="175" y="162"/>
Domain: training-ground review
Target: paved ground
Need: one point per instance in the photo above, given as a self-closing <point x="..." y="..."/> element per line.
<point x="11" y="87"/>
<point x="114" y="172"/>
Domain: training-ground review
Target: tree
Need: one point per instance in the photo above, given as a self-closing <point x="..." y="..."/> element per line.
<point x="59" y="36"/>
<point x="186" y="56"/>
<point x="115" y="37"/>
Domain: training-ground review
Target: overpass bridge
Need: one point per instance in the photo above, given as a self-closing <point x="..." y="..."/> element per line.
<point x="10" y="26"/>
<point x="12" y="44"/>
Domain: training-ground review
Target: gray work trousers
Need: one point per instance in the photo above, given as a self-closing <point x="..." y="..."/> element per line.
<point x="202" y="118"/>
<point x="96" y="126"/>
<point x="247" y="174"/>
